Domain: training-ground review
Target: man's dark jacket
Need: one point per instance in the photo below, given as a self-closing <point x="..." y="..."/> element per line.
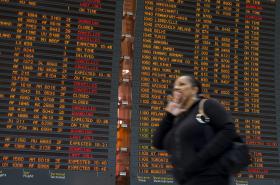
<point x="194" y="147"/>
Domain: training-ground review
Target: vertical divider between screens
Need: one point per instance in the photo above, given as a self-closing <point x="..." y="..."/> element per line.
<point x="277" y="73"/>
<point x="114" y="88"/>
<point x="136" y="71"/>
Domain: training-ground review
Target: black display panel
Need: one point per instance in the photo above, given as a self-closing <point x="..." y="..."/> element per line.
<point x="58" y="99"/>
<point x="229" y="45"/>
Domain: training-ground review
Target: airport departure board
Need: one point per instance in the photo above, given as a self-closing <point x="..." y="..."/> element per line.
<point x="58" y="99"/>
<point x="229" y="46"/>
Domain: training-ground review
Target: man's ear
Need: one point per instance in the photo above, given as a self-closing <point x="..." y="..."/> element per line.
<point x="195" y="90"/>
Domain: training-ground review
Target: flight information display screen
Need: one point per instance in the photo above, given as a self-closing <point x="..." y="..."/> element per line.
<point x="58" y="99"/>
<point x="229" y="46"/>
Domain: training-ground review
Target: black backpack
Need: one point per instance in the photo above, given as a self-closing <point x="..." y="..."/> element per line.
<point x="237" y="157"/>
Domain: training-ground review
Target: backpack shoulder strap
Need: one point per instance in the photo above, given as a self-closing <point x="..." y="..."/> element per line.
<point x="201" y="107"/>
<point x="201" y="116"/>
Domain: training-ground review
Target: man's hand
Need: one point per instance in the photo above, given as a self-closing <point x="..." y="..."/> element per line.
<point x="174" y="105"/>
